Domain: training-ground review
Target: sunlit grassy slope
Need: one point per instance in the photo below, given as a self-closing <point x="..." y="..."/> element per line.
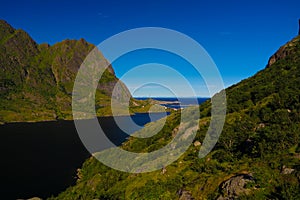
<point x="260" y="139"/>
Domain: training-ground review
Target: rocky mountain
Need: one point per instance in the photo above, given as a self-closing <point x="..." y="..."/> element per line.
<point x="256" y="157"/>
<point x="36" y="80"/>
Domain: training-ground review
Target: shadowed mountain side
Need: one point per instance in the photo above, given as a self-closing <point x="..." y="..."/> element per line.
<point x="36" y="80"/>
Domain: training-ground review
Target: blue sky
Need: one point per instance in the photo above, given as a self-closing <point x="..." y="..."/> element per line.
<point x="239" y="35"/>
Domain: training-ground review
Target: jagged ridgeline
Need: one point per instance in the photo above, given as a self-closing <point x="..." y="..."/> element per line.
<point x="36" y="80"/>
<point x="256" y="157"/>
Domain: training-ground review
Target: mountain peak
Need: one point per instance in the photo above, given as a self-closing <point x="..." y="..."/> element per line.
<point x="4" y="23"/>
<point x="5" y="29"/>
<point x="45" y="74"/>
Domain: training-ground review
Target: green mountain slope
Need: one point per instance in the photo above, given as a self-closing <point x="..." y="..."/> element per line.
<point x="256" y="157"/>
<point x="36" y="80"/>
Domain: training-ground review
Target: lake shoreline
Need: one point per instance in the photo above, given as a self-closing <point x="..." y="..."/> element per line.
<point x="57" y="120"/>
<point x="41" y="158"/>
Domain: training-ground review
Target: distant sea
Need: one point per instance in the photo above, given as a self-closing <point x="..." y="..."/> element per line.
<point x="180" y="102"/>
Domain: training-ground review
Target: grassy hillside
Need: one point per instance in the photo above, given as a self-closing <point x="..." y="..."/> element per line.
<point x="256" y="157"/>
<point x="36" y="80"/>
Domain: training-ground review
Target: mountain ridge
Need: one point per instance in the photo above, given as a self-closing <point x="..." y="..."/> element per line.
<point x="36" y="80"/>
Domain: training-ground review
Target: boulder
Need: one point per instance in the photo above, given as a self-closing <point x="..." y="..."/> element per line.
<point x="235" y="186"/>
<point x="286" y="170"/>
<point x="185" y="195"/>
<point x="197" y="143"/>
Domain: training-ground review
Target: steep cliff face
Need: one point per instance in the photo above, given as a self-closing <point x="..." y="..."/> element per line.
<point x="36" y="81"/>
<point x="285" y="50"/>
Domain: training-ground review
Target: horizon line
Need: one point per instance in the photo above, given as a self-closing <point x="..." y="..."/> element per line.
<point x="170" y="97"/>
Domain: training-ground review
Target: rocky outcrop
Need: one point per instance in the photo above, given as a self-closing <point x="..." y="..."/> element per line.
<point x="235" y="186"/>
<point x="185" y="195"/>
<point x="35" y="198"/>
<point x="287" y="170"/>
<point x="284" y="51"/>
<point x="280" y="54"/>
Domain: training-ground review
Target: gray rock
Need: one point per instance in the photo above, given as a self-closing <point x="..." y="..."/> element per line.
<point x="235" y="186"/>
<point x="185" y="195"/>
<point x="286" y="170"/>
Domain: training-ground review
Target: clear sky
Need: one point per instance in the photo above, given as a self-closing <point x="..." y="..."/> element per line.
<point x="239" y="35"/>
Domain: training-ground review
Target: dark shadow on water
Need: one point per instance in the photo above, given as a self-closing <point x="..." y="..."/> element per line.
<point x="41" y="159"/>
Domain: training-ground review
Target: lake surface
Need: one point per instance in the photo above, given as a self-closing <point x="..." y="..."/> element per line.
<point x="41" y="159"/>
<point x="182" y="102"/>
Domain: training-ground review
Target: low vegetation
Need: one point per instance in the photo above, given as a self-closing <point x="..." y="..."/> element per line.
<point x="256" y="157"/>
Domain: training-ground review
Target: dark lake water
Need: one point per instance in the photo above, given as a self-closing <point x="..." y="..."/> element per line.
<point x="41" y="159"/>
